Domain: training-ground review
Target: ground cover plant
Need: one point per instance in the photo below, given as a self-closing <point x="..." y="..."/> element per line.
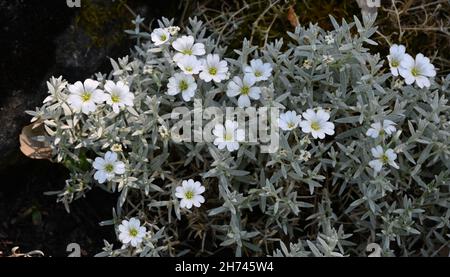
<point x="361" y="144"/>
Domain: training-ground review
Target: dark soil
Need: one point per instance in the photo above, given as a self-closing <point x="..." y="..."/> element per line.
<point x="40" y="39"/>
<point x="31" y="220"/>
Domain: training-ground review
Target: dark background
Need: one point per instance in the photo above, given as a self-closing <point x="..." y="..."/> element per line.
<point x="40" y="39"/>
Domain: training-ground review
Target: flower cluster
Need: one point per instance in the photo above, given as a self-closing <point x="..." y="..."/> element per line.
<point x="84" y="97"/>
<point x="187" y="58"/>
<point x="383" y="129"/>
<point x="418" y="69"/>
<point x="315" y="122"/>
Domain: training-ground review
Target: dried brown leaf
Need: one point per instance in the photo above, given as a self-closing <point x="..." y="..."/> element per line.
<point x="292" y="17"/>
<point x="30" y="146"/>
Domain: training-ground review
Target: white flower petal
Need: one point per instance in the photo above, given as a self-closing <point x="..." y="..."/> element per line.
<point x="372" y="133"/>
<point x="376" y="165"/>
<point x="98" y="163"/>
<point x="110" y="157"/>
<point x="119" y="168"/>
<point x="243" y="101"/>
<point x="100" y="176"/>
<point x="76" y="88"/>
<point x="90" y="85"/>
<point x="377" y="151"/>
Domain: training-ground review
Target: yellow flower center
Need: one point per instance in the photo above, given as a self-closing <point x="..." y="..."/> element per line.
<point x="115" y="98"/>
<point x="189" y="68"/>
<point x="133" y="232"/>
<point x="212" y="71"/>
<point x="187" y="51"/>
<point x="228" y="137"/>
<point x="163" y="37"/>
<point x="291" y="125"/>
<point x="109" y="168"/>
<point x="183" y="85"/>
<point x="189" y="195"/>
<point x="395" y="63"/>
<point x="86" y="96"/>
<point x="384" y="159"/>
<point x="415" y="72"/>
<point x="245" y="90"/>
<point x="258" y="73"/>
<point x="315" y="126"/>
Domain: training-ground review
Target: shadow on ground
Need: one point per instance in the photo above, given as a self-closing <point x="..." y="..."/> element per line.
<point x="41" y="39"/>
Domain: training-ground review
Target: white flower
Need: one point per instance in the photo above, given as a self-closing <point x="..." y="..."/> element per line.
<point x="304" y="155"/>
<point x="186" y="47"/>
<point x="118" y="95"/>
<point x="395" y="57"/>
<point x="190" y="65"/>
<point x="173" y="30"/>
<point x="380" y="128"/>
<point x="307" y="64"/>
<point x="160" y="36"/>
<point x="84" y="97"/>
<point x="327" y="59"/>
<point x="398" y="83"/>
<point x="190" y="194"/>
<point x="116" y="147"/>
<point x="244" y="88"/>
<point x="329" y="39"/>
<point x="382" y="157"/>
<point x="289" y="120"/>
<point x="261" y="71"/>
<point x="317" y="123"/>
<point x="107" y="167"/>
<point x="228" y="136"/>
<point x="132" y="232"/>
<point x="417" y="70"/>
<point x="148" y="69"/>
<point x="163" y="132"/>
<point x="213" y="69"/>
<point x="183" y="83"/>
